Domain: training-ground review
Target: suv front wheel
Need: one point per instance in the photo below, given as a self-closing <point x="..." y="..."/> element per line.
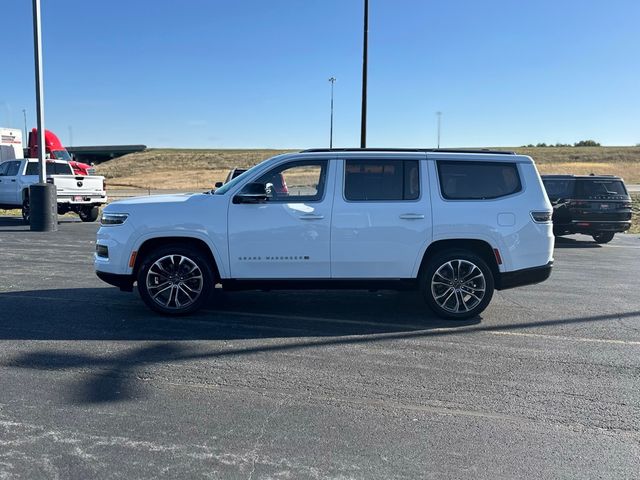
<point x="457" y="284"/>
<point x="175" y="280"/>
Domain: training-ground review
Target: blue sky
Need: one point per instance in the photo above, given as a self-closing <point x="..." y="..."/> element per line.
<point x="224" y="74"/>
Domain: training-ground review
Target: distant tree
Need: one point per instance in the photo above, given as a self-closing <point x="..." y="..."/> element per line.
<point x="541" y="145"/>
<point x="563" y="145"/>
<point x="586" y="143"/>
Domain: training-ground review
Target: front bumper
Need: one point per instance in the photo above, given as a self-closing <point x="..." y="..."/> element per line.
<point x="123" y="282"/>
<point x="526" y="276"/>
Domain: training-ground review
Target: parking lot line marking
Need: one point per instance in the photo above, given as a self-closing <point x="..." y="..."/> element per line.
<point x="571" y="339"/>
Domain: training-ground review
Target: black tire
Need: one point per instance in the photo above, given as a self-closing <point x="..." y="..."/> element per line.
<point x="26" y="211"/>
<point x="439" y="284"/>
<point x="89" y="214"/>
<point x="603" y="237"/>
<point x="172" y="269"/>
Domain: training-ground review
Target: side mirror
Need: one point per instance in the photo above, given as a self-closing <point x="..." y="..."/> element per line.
<point x="218" y="184"/>
<point x="252" y="193"/>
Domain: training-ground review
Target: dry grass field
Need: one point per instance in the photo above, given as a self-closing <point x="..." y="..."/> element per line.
<point x="197" y="169"/>
<point x="178" y="169"/>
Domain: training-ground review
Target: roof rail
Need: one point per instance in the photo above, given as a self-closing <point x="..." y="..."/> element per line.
<point x="433" y="150"/>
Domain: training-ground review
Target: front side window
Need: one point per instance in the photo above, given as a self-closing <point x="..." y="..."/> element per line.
<point x="295" y="182"/>
<point x="379" y="180"/>
<point x="13" y="168"/>
<point x="461" y="180"/>
<point x="61" y="155"/>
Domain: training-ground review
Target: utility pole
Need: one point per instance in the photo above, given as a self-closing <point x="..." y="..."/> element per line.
<point x="363" y="124"/>
<point x="332" y="80"/>
<point x="439" y="115"/>
<point x="70" y="135"/>
<point x="42" y="202"/>
<point x="24" y="114"/>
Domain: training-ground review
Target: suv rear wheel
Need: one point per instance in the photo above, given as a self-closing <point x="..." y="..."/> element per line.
<point x="457" y="284"/>
<point x="26" y="211"/>
<point x="89" y="214"/>
<point x="603" y="237"/>
<point x="175" y="280"/>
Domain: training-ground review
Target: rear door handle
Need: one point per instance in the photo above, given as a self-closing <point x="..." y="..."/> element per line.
<point x="412" y="216"/>
<point x="311" y="216"/>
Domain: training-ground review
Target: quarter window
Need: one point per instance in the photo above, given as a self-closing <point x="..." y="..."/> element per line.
<point x="461" y="180"/>
<point x="371" y="180"/>
<point x="295" y="182"/>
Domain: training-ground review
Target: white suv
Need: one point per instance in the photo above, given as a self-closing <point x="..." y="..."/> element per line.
<point x="454" y="225"/>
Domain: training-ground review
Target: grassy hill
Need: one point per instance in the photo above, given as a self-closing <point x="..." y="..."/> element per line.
<point x="196" y="169"/>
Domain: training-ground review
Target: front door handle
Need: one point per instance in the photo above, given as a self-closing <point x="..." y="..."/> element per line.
<point x="311" y="216"/>
<point x="412" y="216"/>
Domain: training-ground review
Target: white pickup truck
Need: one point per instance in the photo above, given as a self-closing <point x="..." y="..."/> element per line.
<point x="80" y="194"/>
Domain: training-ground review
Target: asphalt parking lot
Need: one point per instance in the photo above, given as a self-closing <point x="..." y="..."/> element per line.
<point x="316" y="384"/>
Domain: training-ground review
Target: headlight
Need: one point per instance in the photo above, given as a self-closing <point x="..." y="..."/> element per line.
<point x="113" y="218"/>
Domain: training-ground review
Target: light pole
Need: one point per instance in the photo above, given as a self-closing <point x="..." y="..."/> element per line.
<point x="439" y="115"/>
<point x="42" y="202"/>
<point x="363" y="123"/>
<point x="24" y="114"/>
<point x="332" y="80"/>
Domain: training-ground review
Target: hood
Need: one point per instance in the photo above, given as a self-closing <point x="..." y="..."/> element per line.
<point x="153" y="200"/>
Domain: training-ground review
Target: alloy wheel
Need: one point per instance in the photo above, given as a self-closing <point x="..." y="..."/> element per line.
<point x="458" y="286"/>
<point x="174" y="282"/>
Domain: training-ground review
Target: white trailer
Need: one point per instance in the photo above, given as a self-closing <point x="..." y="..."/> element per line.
<point x="10" y="144"/>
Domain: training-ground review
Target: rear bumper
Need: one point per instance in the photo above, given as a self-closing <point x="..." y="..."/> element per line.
<point x="526" y="276"/>
<point x="590" y="227"/>
<point x="123" y="282"/>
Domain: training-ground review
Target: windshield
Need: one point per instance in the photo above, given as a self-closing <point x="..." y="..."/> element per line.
<point x="225" y="188"/>
<point x="61" y="154"/>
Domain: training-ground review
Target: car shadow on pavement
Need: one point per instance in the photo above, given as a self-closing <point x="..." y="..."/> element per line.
<point x="563" y="242"/>
<point x="246" y="323"/>
<point x="9" y="223"/>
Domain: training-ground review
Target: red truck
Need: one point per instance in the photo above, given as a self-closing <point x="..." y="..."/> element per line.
<point x="55" y="150"/>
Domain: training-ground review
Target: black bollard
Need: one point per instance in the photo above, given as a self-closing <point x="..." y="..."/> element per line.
<point x="43" y="207"/>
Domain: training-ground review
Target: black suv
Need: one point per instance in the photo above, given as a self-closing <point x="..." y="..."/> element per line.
<point x="596" y="205"/>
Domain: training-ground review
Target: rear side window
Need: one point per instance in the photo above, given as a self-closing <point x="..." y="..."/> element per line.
<point x="52" y="168"/>
<point x="478" y="180"/>
<point x="558" y="188"/>
<point x="371" y="180"/>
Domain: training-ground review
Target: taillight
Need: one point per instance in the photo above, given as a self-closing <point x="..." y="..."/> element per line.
<point x="541" y="216"/>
